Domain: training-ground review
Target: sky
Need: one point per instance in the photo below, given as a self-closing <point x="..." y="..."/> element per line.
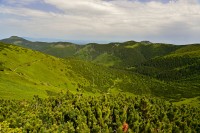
<point x="166" y="21"/>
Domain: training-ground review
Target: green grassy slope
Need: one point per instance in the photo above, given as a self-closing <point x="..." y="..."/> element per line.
<point x="25" y="73"/>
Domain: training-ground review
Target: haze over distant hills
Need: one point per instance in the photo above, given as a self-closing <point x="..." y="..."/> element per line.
<point x="60" y="40"/>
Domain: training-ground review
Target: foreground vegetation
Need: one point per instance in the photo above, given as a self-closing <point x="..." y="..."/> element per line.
<point x="98" y="114"/>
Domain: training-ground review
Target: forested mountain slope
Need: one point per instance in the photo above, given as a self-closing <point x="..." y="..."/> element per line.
<point x="182" y="64"/>
<point x="123" y="55"/>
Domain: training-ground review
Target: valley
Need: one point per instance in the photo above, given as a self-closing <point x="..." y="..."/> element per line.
<point x="161" y="70"/>
<point x="53" y="87"/>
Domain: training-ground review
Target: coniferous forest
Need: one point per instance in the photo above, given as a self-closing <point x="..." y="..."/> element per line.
<point x="76" y="113"/>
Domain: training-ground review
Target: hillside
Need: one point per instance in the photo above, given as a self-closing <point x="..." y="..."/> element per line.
<point x="183" y="63"/>
<point x="24" y="73"/>
<point x="180" y="68"/>
<point x="123" y="55"/>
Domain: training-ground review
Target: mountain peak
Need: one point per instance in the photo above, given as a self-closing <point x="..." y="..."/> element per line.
<point x="16" y="38"/>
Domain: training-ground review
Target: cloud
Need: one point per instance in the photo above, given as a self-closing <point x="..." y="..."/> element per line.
<point x="176" y="21"/>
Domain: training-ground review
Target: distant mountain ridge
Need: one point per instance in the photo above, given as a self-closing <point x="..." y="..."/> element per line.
<point x="131" y="55"/>
<point x="121" y="55"/>
<point x="44" y="47"/>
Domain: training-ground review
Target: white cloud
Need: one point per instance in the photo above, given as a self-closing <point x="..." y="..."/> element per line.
<point x="176" y="21"/>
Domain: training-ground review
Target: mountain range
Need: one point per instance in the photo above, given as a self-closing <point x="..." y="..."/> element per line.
<point x="137" y="68"/>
